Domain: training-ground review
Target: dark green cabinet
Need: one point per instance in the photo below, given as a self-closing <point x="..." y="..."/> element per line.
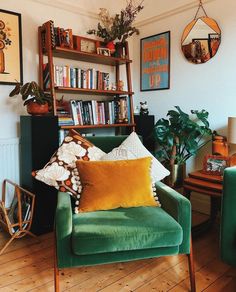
<point x="38" y="141"/>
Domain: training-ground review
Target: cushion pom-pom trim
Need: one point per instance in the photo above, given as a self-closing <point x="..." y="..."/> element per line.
<point x="76" y="210"/>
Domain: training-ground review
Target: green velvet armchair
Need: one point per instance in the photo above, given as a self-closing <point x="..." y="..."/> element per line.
<point x="121" y="235"/>
<point x="228" y="217"/>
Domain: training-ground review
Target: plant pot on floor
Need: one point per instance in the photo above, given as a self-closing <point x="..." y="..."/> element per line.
<point x="36" y="109"/>
<point x="177" y="175"/>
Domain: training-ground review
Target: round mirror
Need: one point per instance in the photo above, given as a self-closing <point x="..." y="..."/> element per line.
<point x="201" y="40"/>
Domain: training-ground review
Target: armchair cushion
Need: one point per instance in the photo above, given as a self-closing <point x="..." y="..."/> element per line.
<point x="124" y="230"/>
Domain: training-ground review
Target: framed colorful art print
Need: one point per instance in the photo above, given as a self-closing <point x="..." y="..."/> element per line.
<point x="155" y="62"/>
<point x="11" y="70"/>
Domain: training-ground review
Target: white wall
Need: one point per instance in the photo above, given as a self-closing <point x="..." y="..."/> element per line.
<point x="210" y="86"/>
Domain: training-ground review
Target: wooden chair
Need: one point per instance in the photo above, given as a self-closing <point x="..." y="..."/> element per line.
<point x="23" y="222"/>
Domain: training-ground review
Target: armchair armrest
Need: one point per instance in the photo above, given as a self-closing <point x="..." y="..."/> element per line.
<point x="179" y="208"/>
<point x="63" y="228"/>
<point x="228" y="217"/>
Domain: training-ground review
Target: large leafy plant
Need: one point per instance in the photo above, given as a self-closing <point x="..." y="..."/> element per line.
<point x="181" y="136"/>
<point x="31" y="92"/>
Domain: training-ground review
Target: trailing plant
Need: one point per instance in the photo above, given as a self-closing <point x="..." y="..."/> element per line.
<point x="31" y="92"/>
<point x="180" y="136"/>
<point x="118" y="27"/>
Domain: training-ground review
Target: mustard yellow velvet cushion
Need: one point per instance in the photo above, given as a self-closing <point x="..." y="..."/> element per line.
<point x="113" y="184"/>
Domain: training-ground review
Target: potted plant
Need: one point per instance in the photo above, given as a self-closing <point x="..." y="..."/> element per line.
<point x="118" y="27"/>
<point x="36" y="100"/>
<point x="180" y="137"/>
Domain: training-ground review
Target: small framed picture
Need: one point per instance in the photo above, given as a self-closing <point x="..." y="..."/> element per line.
<point x="103" y="51"/>
<point x="215" y="164"/>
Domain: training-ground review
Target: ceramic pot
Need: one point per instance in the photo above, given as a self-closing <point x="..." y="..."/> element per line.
<point x="35" y="109"/>
<point x="177" y="175"/>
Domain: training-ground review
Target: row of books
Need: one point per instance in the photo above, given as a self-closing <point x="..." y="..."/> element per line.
<point x="95" y="112"/>
<point x="66" y="76"/>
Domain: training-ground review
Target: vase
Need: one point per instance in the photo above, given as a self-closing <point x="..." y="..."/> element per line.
<point x="220" y="146"/>
<point x="2" y="62"/>
<point x="177" y="175"/>
<point x="36" y="109"/>
<point x="120" y="50"/>
<point x="111" y="47"/>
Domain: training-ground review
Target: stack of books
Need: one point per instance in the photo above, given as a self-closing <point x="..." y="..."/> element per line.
<point x="64" y="115"/>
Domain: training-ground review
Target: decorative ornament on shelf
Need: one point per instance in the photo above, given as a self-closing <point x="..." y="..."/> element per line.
<point x="117" y="27"/>
<point x="34" y="98"/>
<point x="120" y="85"/>
<point x="144" y="108"/>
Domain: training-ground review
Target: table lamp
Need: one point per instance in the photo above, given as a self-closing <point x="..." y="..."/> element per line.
<point x="232" y="137"/>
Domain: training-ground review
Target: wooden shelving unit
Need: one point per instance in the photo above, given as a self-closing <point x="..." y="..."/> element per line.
<point x="51" y="52"/>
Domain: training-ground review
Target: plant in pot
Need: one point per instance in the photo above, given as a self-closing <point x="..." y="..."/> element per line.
<point x="120" y="27"/>
<point x="35" y="99"/>
<point x="180" y="137"/>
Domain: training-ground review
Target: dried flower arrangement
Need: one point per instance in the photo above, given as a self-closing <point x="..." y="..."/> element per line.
<point x="120" y="26"/>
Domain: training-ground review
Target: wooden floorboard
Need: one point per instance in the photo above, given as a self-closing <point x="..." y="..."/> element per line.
<point x="28" y="266"/>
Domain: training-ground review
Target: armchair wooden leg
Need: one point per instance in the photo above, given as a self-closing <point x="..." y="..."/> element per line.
<point x="191" y="269"/>
<point x="56" y="270"/>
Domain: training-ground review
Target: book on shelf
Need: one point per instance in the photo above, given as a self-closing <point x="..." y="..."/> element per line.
<point x="59" y="37"/>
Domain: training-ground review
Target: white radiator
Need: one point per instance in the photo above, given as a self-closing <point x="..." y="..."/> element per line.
<point x="9" y="163"/>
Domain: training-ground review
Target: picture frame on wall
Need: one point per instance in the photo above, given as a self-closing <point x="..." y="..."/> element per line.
<point x="11" y="68"/>
<point x="215" y="164"/>
<point x="155" y="62"/>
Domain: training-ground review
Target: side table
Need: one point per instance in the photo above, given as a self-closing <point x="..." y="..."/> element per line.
<point x="210" y="185"/>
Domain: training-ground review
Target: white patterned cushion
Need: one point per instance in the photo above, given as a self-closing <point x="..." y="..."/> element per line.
<point x="132" y="148"/>
<point x="61" y="172"/>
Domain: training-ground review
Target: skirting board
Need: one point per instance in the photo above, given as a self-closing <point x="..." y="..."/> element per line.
<point x="200" y="203"/>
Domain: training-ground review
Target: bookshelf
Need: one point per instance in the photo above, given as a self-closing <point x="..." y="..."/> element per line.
<point x="48" y="50"/>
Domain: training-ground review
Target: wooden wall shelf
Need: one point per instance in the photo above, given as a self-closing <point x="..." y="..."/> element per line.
<point x="97" y="126"/>
<point x="91" y="91"/>
<point x="88" y="57"/>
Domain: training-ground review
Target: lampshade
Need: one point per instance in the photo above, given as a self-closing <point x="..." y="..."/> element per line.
<point x="232" y="130"/>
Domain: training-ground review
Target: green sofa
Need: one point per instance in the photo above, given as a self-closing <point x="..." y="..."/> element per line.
<point x="122" y="234"/>
<point x="228" y="217"/>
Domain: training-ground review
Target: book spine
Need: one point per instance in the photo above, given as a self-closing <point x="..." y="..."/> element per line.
<point x="73" y="106"/>
<point x="79" y="78"/>
<point x="64" y="76"/>
<point x="128" y="109"/>
<point x="94" y="112"/>
<point x="90" y="113"/>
